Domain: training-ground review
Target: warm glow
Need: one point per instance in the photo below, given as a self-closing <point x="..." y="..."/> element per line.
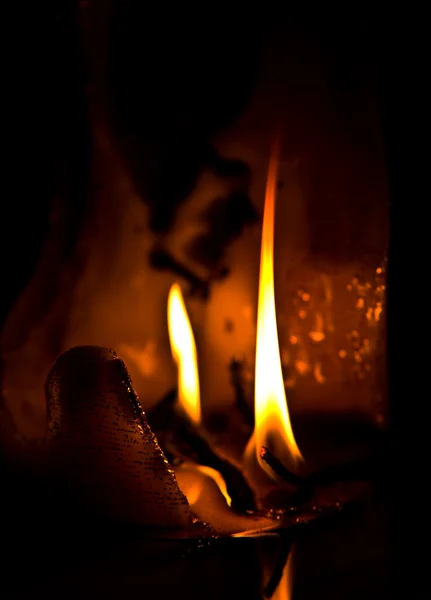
<point x="184" y="352"/>
<point x="272" y="423"/>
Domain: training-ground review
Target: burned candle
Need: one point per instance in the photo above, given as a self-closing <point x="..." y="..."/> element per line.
<point x="101" y="443"/>
<point x="101" y="447"/>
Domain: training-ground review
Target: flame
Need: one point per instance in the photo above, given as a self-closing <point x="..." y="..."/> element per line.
<point x="184" y="352"/>
<point x="272" y="422"/>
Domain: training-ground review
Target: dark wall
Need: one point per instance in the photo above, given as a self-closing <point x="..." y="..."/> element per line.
<point x="46" y="138"/>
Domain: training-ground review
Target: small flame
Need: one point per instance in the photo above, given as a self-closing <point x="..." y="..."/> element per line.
<point x="272" y="422"/>
<point x="184" y="352"/>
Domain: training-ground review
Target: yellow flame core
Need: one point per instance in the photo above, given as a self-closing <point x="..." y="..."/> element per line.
<point x="272" y="422"/>
<point x="184" y="352"/>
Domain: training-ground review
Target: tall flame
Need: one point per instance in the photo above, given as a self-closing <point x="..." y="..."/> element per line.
<point x="272" y="422"/>
<point x="184" y="352"/>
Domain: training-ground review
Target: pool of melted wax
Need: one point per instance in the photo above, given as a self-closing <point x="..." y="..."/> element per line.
<point x="326" y="502"/>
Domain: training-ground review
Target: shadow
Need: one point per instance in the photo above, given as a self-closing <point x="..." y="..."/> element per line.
<point x="174" y="83"/>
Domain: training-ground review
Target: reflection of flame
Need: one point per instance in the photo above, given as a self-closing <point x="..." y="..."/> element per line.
<point x="284" y="588"/>
<point x="272" y="423"/>
<point x="184" y="352"/>
<point x="318" y="335"/>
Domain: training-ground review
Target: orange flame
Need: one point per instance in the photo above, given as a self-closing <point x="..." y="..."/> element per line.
<point x="184" y="352"/>
<point x="272" y="422"/>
